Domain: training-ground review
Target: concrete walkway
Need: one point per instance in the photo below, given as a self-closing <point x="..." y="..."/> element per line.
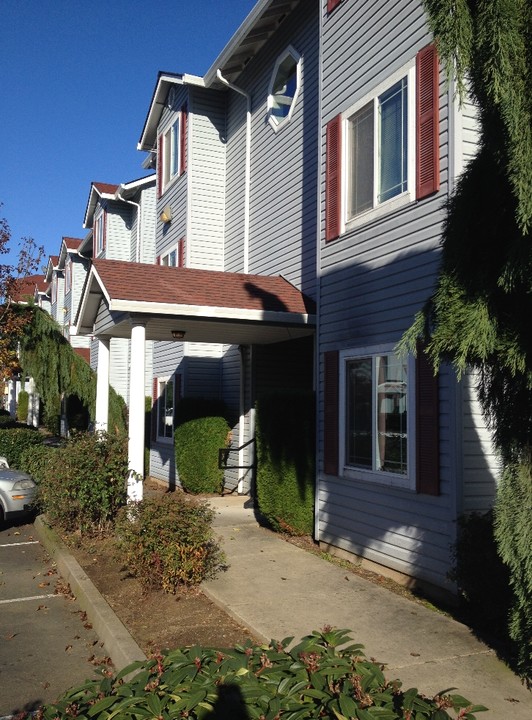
<point x="277" y="590"/>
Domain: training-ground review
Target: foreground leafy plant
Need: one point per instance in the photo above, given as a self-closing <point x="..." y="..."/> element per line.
<point x="320" y="677"/>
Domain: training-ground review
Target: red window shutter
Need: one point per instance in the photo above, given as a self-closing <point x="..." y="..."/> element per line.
<point x="427" y="427"/>
<point x="331" y="4"/>
<point x="427" y="122"/>
<point x="158" y="260"/>
<point x="159" y="166"/>
<point x="183" y="130"/>
<point x="332" y="178"/>
<point x="154" y="410"/>
<point x="181" y="253"/>
<point x="330" y="418"/>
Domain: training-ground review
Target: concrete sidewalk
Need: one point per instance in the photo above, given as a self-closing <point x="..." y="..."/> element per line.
<point x="277" y="590"/>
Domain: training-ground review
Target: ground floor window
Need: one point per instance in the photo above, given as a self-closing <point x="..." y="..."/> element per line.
<point x="165" y="415"/>
<point x="377" y="424"/>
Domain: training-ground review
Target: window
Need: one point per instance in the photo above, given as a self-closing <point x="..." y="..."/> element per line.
<point x="165" y="415"/>
<point x="284" y="87"/>
<point x="68" y="275"/>
<point x="380" y="141"/>
<point x="171" y="151"/>
<point x="175" y="257"/>
<point x="376" y="422"/>
<point x="383" y="152"/>
<point x="381" y="418"/>
<point x="99" y="231"/>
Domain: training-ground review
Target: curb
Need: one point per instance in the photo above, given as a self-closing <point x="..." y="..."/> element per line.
<point x="120" y="646"/>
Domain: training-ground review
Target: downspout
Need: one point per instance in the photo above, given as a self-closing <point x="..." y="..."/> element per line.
<point x="139" y="216"/>
<point x="248" y="164"/>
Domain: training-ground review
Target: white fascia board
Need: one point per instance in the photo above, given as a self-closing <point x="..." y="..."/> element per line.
<point x="156" y="108"/>
<point x="209" y="312"/>
<point x="134" y="184"/>
<point x="92" y="279"/>
<point x="232" y="45"/>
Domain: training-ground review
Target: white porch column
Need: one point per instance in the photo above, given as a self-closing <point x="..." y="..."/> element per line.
<point x="102" y="386"/>
<point x="136" y="412"/>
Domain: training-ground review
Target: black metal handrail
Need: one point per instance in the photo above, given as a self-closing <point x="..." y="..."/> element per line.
<point x="223" y="457"/>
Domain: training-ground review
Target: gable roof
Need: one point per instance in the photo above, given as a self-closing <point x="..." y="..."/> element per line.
<point x="98" y="191"/>
<point x="260" y="24"/>
<point x="208" y="305"/>
<point x="53" y="263"/>
<point x="23" y="289"/>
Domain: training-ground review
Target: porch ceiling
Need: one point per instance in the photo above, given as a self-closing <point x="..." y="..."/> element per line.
<point x="207" y="306"/>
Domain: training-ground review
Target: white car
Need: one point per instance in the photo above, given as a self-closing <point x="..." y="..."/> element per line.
<point x="17" y="492"/>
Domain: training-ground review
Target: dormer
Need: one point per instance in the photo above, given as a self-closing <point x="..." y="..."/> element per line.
<point x="96" y="215"/>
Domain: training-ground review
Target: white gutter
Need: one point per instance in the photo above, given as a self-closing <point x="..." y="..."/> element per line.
<point x="139" y="217"/>
<point x="248" y="165"/>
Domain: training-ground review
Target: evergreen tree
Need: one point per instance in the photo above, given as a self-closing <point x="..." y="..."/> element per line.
<point x="479" y="314"/>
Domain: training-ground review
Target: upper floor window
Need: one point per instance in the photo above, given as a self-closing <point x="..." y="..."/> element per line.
<point x="54" y="288"/>
<point x="175" y="257"/>
<point x="171" y="151"/>
<point x="68" y="275"/>
<point x="380" y="139"/>
<point x="99" y="231"/>
<point x="383" y="151"/>
<point x="284" y="87"/>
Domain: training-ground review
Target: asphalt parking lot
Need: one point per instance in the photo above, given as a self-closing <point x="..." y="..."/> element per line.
<point x="46" y="644"/>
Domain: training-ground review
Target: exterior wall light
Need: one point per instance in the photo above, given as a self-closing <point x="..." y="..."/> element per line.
<point x="166" y="214"/>
<point x="178" y="334"/>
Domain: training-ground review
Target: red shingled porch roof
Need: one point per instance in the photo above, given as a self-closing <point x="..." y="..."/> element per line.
<point x="210" y="306"/>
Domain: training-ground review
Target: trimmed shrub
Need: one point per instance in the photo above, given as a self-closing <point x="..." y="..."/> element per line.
<point x="196" y="453"/>
<point x="23" y="402"/>
<point x="167" y="542"/>
<point x="14" y="441"/>
<point x="286" y="460"/>
<point x="314" y="679"/>
<point x="83" y="483"/>
<point x="6" y="421"/>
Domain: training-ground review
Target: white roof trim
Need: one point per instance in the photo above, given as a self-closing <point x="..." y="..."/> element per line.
<point x="208" y="312"/>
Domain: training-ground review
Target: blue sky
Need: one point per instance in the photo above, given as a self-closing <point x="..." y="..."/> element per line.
<point x="76" y="80"/>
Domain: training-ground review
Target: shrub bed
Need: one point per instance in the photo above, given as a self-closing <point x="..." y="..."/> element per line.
<point x="83" y="483"/>
<point x="168" y="542"/>
<point x="16" y="440"/>
<point x="314" y="679"/>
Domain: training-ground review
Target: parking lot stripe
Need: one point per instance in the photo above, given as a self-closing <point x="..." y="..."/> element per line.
<point x="29" y="542"/>
<point x="33" y="597"/>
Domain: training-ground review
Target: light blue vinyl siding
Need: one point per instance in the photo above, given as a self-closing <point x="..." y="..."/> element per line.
<point x="373" y="280"/>
<point x="283" y="164"/>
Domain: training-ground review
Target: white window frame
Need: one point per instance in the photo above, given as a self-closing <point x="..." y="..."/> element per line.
<point x="171" y="152"/>
<point x="68" y="275"/>
<point x="161" y="396"/>
<point x="99" y="232"/>
<point x="167" y="258"/>
<point x="407" y="71"/>
<point x="382" y="477"/>
<point x="275" y="123"/>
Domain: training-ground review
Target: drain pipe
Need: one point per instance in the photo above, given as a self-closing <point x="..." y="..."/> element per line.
<point x="137" y="205"/>
<point x="248" y="164"/>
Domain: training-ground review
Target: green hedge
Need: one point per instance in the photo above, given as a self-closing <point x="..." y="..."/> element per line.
<point x="15" y="441"/>
<point x="314" y="679"/>
<point x="23" y="402"/>
<point x="286" y="460"/>
<point x="196" y="453"/>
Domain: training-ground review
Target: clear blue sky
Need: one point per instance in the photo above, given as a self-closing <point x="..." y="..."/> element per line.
<point x="76" y="80"/>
